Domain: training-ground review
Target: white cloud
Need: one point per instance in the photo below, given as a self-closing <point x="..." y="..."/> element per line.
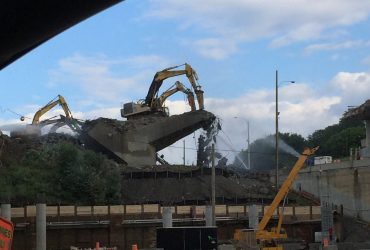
<point x="354" y="87"/>
<point x="177" y="107"/>
<point x="98" y="77"/>
<point x="296" y="114"/>
<point x="304" y="32"/>
<point x="215" y="48"/>
<point x="236" y="21"/>
<point x="336" y="46"/>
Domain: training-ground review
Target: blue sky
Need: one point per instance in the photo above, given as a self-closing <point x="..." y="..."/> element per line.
<point x="235" y="47"/>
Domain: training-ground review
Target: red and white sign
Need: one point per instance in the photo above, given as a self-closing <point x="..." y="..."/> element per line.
<point x="6" y="234"/>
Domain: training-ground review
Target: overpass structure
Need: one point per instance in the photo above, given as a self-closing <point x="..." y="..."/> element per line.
<point x="362" y="112"/>
<point x="343" y="184"/>
<point x="122" y="226"/>
<point x="24" y="24"/>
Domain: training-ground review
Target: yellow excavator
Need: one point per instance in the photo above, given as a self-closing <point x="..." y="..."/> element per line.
<point x="158" y="103"/>
<point x="57" y="100"/>
<point x="34" y="129"/>
<point x="269" y="239"/>
<point x="162" y="75"/>
<point x="150" y="103"/>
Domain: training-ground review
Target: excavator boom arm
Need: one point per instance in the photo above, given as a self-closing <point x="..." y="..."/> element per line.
<point x="178" y="87"/>
<point x="65" y="107"/>
<point x="42" y="111"/>
<point x="157" y="82"/>
<point x="59" y="100"/>
<point x="160" y="76"/>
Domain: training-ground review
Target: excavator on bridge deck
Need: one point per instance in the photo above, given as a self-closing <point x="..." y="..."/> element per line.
<point x="158" y="103"/>
<point x="154" y="104"/>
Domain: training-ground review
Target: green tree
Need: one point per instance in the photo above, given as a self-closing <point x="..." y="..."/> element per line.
<point x="62" y="173"/>
<point x="337" y="139"/>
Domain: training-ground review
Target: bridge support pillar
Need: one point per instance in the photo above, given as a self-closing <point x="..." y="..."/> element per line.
<point x="40" y="226"/>
<point x="253" y="216"/>
<point x="6" y="211"/>
<point x="208" y="216"/>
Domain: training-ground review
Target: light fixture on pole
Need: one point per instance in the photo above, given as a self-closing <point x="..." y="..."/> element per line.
<point x="248" y="140"/>
<point x="277" y="129"/>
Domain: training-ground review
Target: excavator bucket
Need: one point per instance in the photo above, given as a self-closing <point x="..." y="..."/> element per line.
<point x="200" y="99"/>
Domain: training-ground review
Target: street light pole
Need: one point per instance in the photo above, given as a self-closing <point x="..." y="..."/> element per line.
<point x="276" y="133"/>
<point x="277" y="128"/>
<point x="249" y="149"/>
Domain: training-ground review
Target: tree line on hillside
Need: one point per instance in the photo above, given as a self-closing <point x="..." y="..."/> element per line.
<point x="61" y="173"/>
<point x="335" y="140"/>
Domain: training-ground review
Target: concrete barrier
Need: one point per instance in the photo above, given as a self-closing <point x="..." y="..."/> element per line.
<point x="154" y="209"/>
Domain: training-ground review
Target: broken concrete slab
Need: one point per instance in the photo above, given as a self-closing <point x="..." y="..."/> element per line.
<point x="136" y="142"/>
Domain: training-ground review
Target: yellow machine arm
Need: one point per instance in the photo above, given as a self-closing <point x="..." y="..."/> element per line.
<point x="160" y="76"/>
<point x="58" y="100"/>
<point x="285" y="188"/>
<point x="178" y="87"/>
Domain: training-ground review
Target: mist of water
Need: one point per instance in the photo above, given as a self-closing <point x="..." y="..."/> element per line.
<point x="288" y="149"/>
<point x="12" y="127"/>
<point x="282" y="146"/>
<point x="230" y="145"/>
<point x="29" y="129"/>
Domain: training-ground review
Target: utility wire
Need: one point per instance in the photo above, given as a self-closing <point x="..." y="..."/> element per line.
<point x="229" y="150"/>
<point x="4" y="110"/>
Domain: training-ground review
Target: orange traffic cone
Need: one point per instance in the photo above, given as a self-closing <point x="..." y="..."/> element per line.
<point x="97" y="246"/>
<point x="134" y="247"/>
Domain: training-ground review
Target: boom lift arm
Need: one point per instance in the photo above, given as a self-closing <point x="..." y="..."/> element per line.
<point x="261" y="233"/>
<point x="160" y="76"/>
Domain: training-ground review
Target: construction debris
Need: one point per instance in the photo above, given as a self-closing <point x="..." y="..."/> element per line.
<point x="136" y="142"/>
